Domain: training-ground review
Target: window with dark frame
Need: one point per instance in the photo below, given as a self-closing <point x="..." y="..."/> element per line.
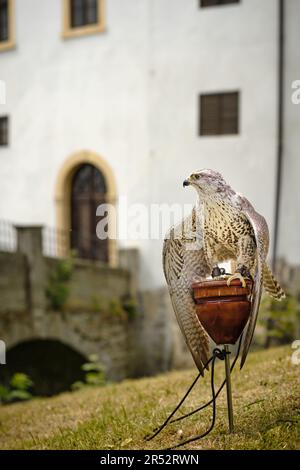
<point x="89" y="189"/>
<point x="219" y="113"/>
<point x="83" y="13"/>
<point x="210" y="3"/>
<point x="3" y="130"/>
<point x="4" y="33"/>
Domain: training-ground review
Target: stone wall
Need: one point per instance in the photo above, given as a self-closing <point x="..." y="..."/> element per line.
<point x="289" y="276"/>
<point x="13" y="297"/>
<point x="90" y="321"/>
<point x="157" y="341"/>
<point x="94" y="318"/>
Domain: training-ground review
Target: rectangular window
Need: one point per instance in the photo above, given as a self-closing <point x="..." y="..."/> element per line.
<point x="210" y="3"/>
<point x="219" y="113"/>
<point x="3" y="20"/>
<point x="83" y="17"/>
<point x="3" y="130"/>
<point x="6" y="24"/>
<point x="83" y="12"/>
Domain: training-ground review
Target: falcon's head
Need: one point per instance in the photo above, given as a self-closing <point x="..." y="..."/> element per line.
<point x="206" y="182"/>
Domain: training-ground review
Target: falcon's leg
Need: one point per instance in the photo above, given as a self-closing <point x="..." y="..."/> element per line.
<point x="245" y="260"/>
<point x="244" y="271"/>
<point x="217" y="272"/>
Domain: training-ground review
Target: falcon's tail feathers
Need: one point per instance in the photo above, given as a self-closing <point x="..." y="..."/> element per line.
<point x="271" y="285"/>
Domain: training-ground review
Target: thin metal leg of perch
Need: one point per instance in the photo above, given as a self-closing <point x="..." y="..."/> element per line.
<point x="228" y="389"/>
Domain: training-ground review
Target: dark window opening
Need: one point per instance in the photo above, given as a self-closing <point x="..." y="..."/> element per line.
<point x="3" y="130"/>
<point x="4" y="34"/>
<point x="219" y="113"/>
<point x="210" y="3"/>
<point x="84" y="12"/>
<point x="88" y="192"/>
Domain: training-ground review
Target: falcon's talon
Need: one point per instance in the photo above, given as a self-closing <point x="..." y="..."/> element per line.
<point x="236" y="276"/>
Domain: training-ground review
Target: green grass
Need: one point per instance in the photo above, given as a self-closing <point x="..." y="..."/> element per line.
<point x="266" y="409"/>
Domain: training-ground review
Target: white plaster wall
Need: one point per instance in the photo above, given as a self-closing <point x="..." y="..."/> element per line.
<point x="131" y="94"/>
<point x="289" y="236"/>
<point x="213" y="49"/>
<point x="68" y="95"/>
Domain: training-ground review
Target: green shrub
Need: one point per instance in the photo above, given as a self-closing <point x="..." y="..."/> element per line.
<point x="116" y="308"/>
<point x="130" y="307"/>
<point x="18" y="389"/>
<point x="57" y="290"/>
<point x="123" y="308"/>
<point x="279" y="320"/>
<point x="94" y="374"/>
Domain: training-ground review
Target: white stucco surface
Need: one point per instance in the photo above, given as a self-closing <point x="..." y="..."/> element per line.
<point x="289" y="235"/>
<point x="130" y="94"/>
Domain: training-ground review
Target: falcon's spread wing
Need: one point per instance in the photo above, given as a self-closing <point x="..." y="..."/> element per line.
<point x="261" y="234"/>
<point x="183" y="263"/>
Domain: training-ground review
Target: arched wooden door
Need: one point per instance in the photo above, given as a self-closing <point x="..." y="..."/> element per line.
<point x="88" y="190"/>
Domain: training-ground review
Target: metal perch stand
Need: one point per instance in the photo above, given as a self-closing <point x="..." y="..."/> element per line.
<point x="223" y="311"/>
<point x="228" y="389"/>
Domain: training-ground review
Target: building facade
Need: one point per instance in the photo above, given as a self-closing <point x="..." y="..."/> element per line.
<point x="118" y="86"/>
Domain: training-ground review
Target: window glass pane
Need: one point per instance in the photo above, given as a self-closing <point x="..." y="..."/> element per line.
<point x="225" y="2"/>
<point x="3" y="20"/>
<point x="83" y="12"/>
<point x="219" y="113"/>
<point x="4" y="130"/>
<point x="229" y="118"/>
<point x="88" y="191"/>
<point x="91" y="11"/>
<point x="77" y="13"/>
<point x="88" y="179"/>
<point x="210" y="3"/>
<point x="210" y="114"/>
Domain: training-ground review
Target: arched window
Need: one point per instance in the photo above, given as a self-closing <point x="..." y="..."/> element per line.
<point x="88" y="191"/>
<point x="101" y="179"/>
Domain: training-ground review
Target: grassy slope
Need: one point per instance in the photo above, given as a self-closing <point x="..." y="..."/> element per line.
<point x="266" y="396"/>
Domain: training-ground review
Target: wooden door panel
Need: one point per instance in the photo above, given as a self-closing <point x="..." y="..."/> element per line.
<point x="88" y="191"/>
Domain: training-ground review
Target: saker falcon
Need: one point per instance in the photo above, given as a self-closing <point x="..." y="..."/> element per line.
<point x="222" y="226"/>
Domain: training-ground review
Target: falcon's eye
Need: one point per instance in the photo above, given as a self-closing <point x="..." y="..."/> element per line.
<point x="197" y="177"/>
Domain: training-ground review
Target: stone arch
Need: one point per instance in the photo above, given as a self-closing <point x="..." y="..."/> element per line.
<point x="53" y="365"/>
<point x="63" y="192"/>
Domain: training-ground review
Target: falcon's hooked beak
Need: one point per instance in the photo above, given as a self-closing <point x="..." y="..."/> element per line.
<point x="186" y="183"/>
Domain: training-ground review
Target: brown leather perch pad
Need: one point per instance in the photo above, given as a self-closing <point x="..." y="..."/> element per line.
<point x="223" y="310"/>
